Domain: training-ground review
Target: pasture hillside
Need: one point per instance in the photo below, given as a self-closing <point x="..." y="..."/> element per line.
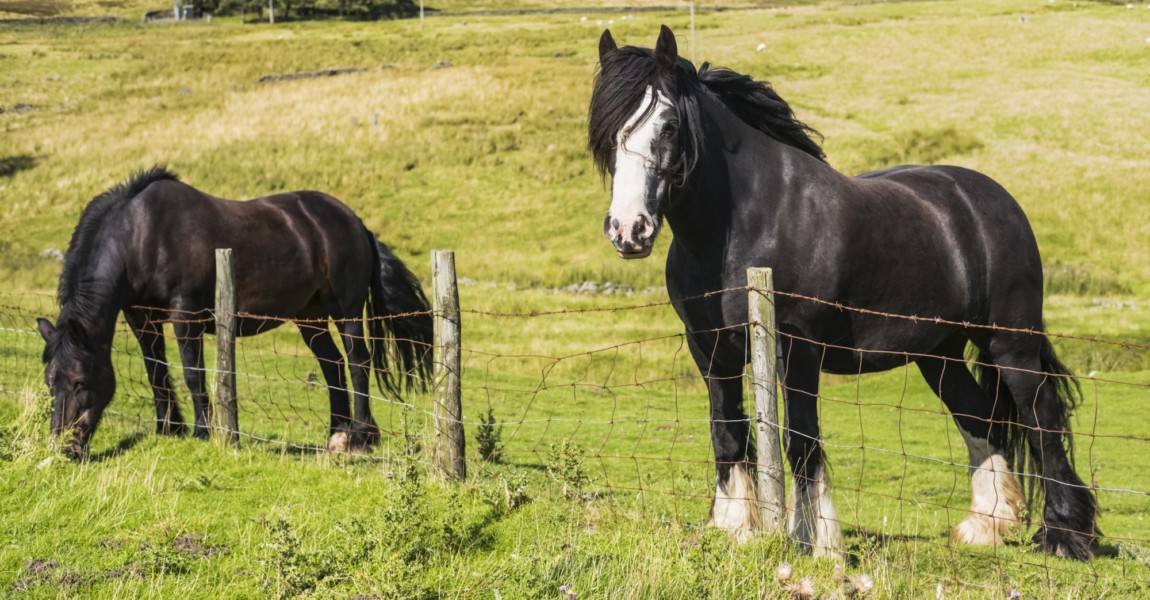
<point x="470" y="135"/>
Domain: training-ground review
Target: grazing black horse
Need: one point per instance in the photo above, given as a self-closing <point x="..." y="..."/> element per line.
<point x="741" y="183"/>
<point x="147" y="247"/>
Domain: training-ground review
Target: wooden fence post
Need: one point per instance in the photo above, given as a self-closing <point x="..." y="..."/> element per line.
<point x="226" y="418"/>
<point x="772" y="491"/>
<point x="448" y="409"/>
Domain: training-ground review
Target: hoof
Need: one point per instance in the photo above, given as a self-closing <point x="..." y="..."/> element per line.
<point x="981" y="530"/>
<point x="994" y="504"/>
<point x="363" y="439"/>
<point x="1066" y="544"/>
<point x="338" y="442"/>
<point x="734" y="509"/>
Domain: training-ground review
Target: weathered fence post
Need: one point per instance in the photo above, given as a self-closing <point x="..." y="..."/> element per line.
<point x="226" y="418"/>
<point x="761" y="304"/>
<point x="449" y="437"/>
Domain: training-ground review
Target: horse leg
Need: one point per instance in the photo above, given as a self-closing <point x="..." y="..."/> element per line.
<point x="150" y="335"/>
<point x="1044" y="404"/>
<point x="813" y="523"/>
<point x="364" y="432"/>
<point x="734" y="508"/>
<point x="995" y="495"/>
<point x="318" y="339"/>
<point x="190" y="340"/>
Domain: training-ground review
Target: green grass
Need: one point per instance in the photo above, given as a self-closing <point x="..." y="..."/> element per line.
<point x="487" y="158"/>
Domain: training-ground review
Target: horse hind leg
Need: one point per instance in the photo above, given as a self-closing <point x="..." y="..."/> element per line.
<point x="995" y="494"/>
<point x="1044" y="398"/>
<point x="190" y="340"/>
<point x="318" y="340"/>
<point x="364" y="431"/>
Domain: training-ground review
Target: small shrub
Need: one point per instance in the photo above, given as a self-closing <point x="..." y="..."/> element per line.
<point x="567" y="465"/>
<point x="506" y="494"/>
<point x="489" y="437"/>
<point x="1019" y="534"/>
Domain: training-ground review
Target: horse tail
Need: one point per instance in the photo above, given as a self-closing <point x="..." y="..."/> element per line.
<point x="1012" y="433"/>
<point x="399" y="323"/>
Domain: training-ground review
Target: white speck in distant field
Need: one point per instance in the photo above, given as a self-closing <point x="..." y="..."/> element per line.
<point x="600" y="22"/>
<point x="581" y="19"/>
<point x="761" y="47"/>
<point x="611" y="21"/>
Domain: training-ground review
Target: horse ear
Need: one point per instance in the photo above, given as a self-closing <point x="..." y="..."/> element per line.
<point x="666" y="50"/>
<point x="606" y="44"/>
<point x="47" y="330"/>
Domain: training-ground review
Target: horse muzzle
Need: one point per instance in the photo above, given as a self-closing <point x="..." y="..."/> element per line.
<point x="633" y="239"/>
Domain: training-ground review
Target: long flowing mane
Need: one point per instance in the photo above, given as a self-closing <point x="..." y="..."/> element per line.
<point x="758" y="105"/>
<point x="625" y="74"/>
<point x="76" y="292"/>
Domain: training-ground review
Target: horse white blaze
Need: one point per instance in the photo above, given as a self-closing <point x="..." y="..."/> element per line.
<point x="735" y="509"/>
<point x="995" y="495"/>
<point x="813" y="521"/>
<point x="635" y="165"/>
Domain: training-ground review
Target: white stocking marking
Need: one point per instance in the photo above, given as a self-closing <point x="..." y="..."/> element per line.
<point x="735" y="509"/>
<point x="995" y="495"/>
<point x="814" y="522"/>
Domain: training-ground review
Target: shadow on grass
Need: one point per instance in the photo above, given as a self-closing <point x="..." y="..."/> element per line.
<point x="11" y="165"/>
<point x="126" y="443"/>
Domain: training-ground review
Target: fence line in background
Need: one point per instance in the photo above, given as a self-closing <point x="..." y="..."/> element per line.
<point x="449" y="421"/>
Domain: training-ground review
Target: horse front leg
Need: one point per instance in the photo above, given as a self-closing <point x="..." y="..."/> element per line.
<point x="150" y="335"/>
<point x="190" y="340"/>
<point x="813" y="523"/>
<point x="734" y="507"/>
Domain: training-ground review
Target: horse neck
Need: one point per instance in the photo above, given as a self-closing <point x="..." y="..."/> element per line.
<point x="703" y="210"/>
<point x="98" y="297"/>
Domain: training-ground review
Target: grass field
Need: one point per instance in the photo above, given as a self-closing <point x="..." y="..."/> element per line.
<point x="486" y="157"/>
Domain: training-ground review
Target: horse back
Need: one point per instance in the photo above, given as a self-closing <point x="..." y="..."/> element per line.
<point x="288" y="249"/>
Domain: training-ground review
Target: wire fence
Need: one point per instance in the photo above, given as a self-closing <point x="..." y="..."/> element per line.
<point x="624" y="420"/>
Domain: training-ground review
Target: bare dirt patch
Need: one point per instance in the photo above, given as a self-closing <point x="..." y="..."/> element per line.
<point x="194" y="545"/>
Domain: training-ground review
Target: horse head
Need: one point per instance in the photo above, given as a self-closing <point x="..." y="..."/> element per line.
<point x="80" y="377"/>
<point x="639" y="132"/>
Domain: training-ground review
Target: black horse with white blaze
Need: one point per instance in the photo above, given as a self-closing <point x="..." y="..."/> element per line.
<point x="723" y="160"/>
<point x="147" y="247"/>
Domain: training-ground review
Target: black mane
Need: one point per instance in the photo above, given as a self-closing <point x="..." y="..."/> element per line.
<point x="758" y="105"/>
<point x="74" y="292"/>
<point x="625" y="74"/>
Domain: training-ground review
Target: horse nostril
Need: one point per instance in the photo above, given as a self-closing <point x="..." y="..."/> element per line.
<point x="615" y="224"/>
<point x="642" y="227"/>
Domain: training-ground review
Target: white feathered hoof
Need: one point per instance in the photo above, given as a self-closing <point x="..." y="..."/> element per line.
<point x="734" y="509"/>
<point x="813" y="522"/>
<point x="995" y="498"/>
<point x="337" y="442"/>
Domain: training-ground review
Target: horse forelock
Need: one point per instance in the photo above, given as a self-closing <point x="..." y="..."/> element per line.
<point x="620" y="87"/>
<point x="76" y="290"/>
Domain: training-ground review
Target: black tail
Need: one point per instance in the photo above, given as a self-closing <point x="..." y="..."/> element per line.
<point x="399" y="323"/>
<point x="1011" y="433"/>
